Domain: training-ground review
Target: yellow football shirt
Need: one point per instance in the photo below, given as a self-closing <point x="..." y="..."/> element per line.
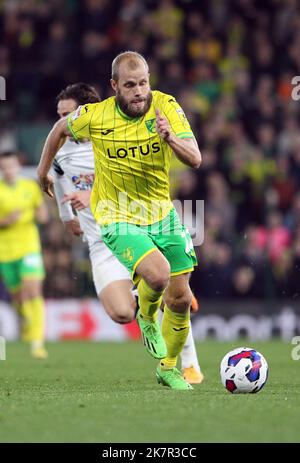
<point x="131" y="161"/>
<point x="22" y="237"/>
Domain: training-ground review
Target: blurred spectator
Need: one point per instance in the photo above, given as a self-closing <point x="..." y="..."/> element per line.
<point x="274" y="238"/>
<point x="218" y="202"/>
<point x="289" y="137"/>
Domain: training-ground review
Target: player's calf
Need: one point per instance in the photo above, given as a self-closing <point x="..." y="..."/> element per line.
<point x="154" y="270"/>
<point x="32" y="313"/>
<point x="176" y="319"/>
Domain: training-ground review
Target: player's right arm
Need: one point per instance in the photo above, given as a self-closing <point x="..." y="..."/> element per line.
<point x="54" y="141"/>
<point x="63" y="186"/>
<point x="77" y="125"/>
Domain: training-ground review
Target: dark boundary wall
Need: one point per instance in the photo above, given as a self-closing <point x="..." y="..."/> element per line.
<point x="256" y="320"/>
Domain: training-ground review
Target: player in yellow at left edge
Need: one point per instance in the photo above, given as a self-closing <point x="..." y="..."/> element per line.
<point x="21" y="265"/>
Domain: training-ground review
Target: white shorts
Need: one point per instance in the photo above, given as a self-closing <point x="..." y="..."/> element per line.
<point x="106" y="267"/>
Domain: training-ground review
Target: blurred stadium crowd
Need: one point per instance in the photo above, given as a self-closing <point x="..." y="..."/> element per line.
<point x="230" y="65"/>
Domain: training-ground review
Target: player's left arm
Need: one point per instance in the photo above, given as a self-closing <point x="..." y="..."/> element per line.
<point x="40" y="207"/>
<point x="175" y="130"/>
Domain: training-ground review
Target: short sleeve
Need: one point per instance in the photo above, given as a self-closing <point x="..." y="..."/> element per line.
<point x="79" y="121"/>
<point x="177" y="118"/>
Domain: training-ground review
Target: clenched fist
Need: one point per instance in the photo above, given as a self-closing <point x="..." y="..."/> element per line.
<point x="162" y="126"/>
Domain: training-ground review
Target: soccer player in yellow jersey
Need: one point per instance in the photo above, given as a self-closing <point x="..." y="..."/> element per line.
<point x="21" y="266"/>
<point x="134" y="134"/>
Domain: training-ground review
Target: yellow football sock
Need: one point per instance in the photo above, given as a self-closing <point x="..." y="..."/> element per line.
<point x="149" y="301"/>
<point x="38" y="322"/>
<point x="32" y="312"/>
<point x="26" y="320"/>
<point x="175" y="330"/>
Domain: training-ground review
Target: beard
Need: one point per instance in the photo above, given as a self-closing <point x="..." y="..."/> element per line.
<point x="127" y="108"/>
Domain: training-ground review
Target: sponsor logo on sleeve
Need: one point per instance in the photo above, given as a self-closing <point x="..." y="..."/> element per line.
<point x="78" y="112"/>
<point x="181" y="113"/>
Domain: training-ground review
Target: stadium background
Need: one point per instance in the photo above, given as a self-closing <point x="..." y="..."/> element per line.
<point x="230" y="65"/>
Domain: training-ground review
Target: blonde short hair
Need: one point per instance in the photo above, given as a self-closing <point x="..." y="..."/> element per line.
<point x="132" y="57"/>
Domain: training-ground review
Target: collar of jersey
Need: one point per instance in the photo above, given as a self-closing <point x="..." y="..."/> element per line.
<point x="132" y="119"/>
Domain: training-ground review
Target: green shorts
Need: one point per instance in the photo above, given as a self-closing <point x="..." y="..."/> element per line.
<point x="131" y="243"/>
<point x="28" y="267"/>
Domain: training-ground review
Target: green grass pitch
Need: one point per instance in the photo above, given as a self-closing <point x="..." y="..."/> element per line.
<point x="104" y="392"/>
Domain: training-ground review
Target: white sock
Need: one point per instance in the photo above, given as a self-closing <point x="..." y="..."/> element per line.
<point x="188" y="354"/>
<point x="160" y="315"/>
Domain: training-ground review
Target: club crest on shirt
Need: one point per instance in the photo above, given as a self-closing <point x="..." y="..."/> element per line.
<point x="150" y="124"/>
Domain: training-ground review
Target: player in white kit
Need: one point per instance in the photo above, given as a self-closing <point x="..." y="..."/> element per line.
<point x="73" y="171"/>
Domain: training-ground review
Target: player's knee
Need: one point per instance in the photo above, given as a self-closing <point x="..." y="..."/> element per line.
<point x="158" y="282"/>
<point x="121" y="313"/>
<point x="24" y="295"/>
<point x="123" y="317"/>
<point x="179" y="301"/>
<point x="28" y="295"/>
<point x="30" y="291"/>
<point x="17" y="298"/>
<point x="158" y="278"/>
